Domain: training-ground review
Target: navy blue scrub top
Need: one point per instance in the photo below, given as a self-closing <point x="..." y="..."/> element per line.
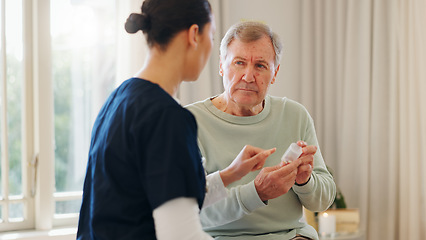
<point x="143" y="153"/>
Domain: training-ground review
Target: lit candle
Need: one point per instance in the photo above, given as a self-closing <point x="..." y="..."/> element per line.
<point x="326" y="224"/>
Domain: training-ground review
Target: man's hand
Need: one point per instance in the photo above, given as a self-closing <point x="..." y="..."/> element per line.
<point x="275" y="181"/>
<point x="305" y="169"/>
<point x="249" y="159"/>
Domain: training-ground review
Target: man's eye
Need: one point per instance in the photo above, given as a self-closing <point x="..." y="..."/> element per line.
<point x="261" y="66"/>
<point x="239" y="63"/>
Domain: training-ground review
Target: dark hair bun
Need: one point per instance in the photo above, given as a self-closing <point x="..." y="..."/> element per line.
<point x="161" y="20"/>
<point x="136" y="22"/>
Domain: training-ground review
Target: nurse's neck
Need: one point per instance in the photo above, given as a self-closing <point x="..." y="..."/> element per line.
<point x="164" y="67"/>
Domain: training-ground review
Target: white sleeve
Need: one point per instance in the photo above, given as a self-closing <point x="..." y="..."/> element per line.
<point x="216" y="191"/>
<point x="179" y="219"/>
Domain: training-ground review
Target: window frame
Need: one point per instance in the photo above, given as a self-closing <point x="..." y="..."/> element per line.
<point x="43" y="128"/>
<point x="39" y="195"/>
<point x="38" y="156"/>
<point x="26" y="126"/>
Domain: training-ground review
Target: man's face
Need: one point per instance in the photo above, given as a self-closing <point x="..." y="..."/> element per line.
<point x="248" y="70"/>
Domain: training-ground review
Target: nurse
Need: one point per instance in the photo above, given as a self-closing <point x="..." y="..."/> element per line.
<point x="145" y="178"/>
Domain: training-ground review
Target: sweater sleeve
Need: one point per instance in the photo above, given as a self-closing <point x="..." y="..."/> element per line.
<point x="319" y="193"/>
<point x="241" y="200"/>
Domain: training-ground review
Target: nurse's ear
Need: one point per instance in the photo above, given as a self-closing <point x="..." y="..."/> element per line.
<point x="193" y="35"/>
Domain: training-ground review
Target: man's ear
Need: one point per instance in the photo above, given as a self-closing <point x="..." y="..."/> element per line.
<point x="275" y="75"/>
<point x="193" y="35"/>
<point x="220" y="68"/>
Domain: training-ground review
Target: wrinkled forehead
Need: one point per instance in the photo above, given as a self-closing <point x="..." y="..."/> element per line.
<point x="260" y="49"/>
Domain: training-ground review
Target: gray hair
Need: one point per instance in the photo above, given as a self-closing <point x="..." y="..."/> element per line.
<point x="250" y="32"/>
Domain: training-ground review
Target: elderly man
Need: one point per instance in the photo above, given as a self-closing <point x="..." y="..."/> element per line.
<point x="266" y="204"/>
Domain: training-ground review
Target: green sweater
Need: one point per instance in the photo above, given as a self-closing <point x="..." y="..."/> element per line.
<point x="242" y="215"/>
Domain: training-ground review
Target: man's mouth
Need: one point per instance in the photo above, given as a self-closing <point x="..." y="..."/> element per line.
<point x="247" y="89"/>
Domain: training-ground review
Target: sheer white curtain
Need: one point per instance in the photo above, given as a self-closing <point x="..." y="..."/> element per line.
<point x="409" y="120"/>
<point x="366" y="61"/>
<point x="360" y="69"/>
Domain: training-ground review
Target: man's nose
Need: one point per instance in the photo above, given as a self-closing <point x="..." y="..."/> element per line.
<point x="248" y="74"/>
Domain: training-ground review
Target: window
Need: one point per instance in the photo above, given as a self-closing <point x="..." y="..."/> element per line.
<point x="13" y="204"/>
<point x="69" y="66"/>
<point x="83" y="61"/>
